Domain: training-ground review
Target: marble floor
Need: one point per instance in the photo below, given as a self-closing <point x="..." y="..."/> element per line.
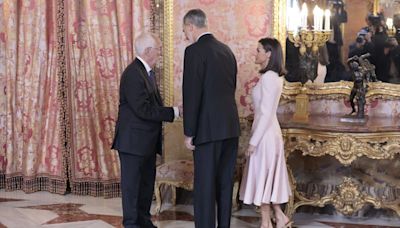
<point x="43" y="209"/>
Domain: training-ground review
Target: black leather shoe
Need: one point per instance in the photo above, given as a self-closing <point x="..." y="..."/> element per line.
<point x="148" y="224"/>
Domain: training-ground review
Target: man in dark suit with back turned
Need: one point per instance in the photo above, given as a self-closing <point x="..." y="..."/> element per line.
<point x="138" y="131"/>
<point x="211" y="122"/>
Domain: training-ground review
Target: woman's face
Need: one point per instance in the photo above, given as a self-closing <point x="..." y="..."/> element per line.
<point x="262" y="57"/>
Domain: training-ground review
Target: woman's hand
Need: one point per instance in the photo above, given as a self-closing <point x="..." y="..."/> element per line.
<point x="250" y="150"/>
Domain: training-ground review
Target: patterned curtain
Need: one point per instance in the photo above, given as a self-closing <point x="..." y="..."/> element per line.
<point x="31" y="150"/>
<point x="100" y="45"/>
<point x="60" y="63"/>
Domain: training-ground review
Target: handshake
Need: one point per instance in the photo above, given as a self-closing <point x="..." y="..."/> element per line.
<point x="188" y="140"/>
<point x="178" y="110"/>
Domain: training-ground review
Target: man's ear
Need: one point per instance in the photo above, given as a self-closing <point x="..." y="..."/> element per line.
<point x="147" y="51"/>
<point x="191" y="27"/>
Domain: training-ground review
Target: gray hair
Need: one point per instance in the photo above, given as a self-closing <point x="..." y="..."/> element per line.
<point x="196" y="17"/>
<point x="145" y="40"/>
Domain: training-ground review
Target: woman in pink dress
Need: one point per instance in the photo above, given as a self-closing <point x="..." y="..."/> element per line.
<point x="265" y="180"/>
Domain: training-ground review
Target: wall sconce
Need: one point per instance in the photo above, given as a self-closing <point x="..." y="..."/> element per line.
<point x="306" y="38"/>
<point x="301" y="35"/>
<point x="391" y="30"/>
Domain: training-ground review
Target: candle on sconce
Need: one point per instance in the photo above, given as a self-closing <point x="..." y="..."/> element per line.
<point x="295" y="19"/>
<point x="321" y="18"/>
<point x="315" y="12"/>
<point x="327" y="20"/>
<point x="304" y="14"/>
<point x="289" y="21"/>
<point x="389" y="23"/>
<point x="318" y="18"/>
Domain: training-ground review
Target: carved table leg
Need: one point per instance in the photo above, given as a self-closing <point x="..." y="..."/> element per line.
<point x="158" y="198"/>
<point x="289" y="211"/>
<point x="235" y="205"/>
<point x="173" y="193"/>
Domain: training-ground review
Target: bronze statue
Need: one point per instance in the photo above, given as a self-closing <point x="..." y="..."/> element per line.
<point x="363" y="72"/>
<point x="358" y="91"/>
<point x="367" y="68"/>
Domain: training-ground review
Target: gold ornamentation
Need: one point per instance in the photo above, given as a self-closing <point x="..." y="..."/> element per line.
<point x="376" y="7"/>
<point x="62" y="96"/>
<point x="279" y="22"/>
<point x="348" y="198"/>
<point x="173" y="184"/>
<point x="344" y="147"/>
<point x="189" y="186"/>
<point x="168" y="52"/>
<point x="339" y="90"/>
<point x="302" y="106"/>
<point x="332" y="90"/>
<point x="326" y="91"/>
<point x="309" y="39"/>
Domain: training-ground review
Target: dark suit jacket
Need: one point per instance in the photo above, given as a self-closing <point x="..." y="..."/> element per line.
<point x="209" y="84"/>
<point x="140" y="114"/>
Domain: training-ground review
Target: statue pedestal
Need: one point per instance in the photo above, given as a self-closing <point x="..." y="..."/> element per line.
<point x="302" y="103"/>
<point x="353" y="119"/>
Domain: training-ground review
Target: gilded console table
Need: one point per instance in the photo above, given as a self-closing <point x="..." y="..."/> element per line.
<point x="379" y="138"/>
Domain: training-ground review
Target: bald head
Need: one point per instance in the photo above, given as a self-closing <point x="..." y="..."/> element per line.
<point x="148" y="47"/>
<point x="145" y="40"/>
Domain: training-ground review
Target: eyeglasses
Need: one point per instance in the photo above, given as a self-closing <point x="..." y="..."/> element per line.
<point x="157" y="48"/>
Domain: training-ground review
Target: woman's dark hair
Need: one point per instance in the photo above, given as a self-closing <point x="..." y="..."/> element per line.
<point x="276" y="59"/>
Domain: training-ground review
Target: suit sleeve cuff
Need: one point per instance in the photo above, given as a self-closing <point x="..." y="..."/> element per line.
<point x="176" y="112"/>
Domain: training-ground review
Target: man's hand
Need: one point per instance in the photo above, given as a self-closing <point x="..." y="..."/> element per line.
<point x="189" y="143"/>
<point x="180" y="107"/>
<point x="250" y="150"/>
<point x="368" y="37"/>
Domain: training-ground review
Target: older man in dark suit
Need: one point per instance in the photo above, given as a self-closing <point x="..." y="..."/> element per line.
<point x="138" y="131"/>
<point x="211" y="122"/>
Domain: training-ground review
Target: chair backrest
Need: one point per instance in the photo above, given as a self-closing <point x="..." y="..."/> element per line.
<point x="174" y="148"/>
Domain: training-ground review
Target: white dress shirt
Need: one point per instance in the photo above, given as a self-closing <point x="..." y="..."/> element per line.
<point x="204" y="33"/>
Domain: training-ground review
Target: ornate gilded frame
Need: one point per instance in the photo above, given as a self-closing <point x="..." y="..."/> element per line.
<point x="333" y="90"/>
<point x="168" y="52"/>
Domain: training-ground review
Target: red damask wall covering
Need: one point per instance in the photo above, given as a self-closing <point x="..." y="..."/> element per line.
<point x="239" y="24"/>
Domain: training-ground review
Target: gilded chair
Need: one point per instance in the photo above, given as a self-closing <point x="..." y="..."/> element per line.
<point x="177" y="169"/>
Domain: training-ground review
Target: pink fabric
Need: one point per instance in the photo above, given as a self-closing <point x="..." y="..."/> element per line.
<point x="100" y="42"/>
<point x="265" y="178"/>
<point x="31" y="149"/>
<point x="247" y="20"/>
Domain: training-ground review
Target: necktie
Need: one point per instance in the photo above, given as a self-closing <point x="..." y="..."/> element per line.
<point x="153" y="78"/>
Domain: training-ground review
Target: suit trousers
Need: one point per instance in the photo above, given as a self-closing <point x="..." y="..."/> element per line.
<point x="137" y="187"/>
<point x="214" y="167"/>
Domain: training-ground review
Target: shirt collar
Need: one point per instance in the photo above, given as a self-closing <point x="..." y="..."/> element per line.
<point x="204" y="33"/>
<point x="148" y="68"/>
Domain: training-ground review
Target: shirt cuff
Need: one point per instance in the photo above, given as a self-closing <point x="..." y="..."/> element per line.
<point x="176" y="112"/>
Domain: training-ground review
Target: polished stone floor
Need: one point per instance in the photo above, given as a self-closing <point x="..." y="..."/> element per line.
<point x="43" y="209"/>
